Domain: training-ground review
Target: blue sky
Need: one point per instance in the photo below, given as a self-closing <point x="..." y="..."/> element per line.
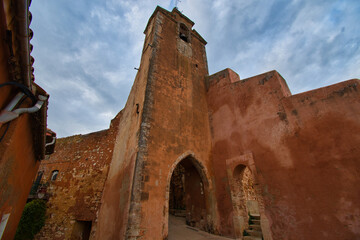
<point x="85" y="50"/>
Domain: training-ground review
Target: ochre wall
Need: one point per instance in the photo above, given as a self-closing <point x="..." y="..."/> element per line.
<point x="18" y="164"/>
<point x="18" y="167"/>
<point x="83" y="162"/>
<point x="305" y="150"/>
<point x="177" y="126"/>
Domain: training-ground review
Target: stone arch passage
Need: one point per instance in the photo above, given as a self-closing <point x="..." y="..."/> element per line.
<point x="244" y="197"/>
<point x="188" y="193"/>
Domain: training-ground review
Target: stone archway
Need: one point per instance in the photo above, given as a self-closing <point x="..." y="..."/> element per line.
<point x="188" y="194"/>
<point x="249" y="214"/>
<point x="244" y="196"/>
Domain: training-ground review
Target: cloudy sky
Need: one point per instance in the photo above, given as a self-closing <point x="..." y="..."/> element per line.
<point x="86" y="50"/>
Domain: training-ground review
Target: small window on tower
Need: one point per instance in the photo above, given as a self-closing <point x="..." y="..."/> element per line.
<point x="54" y="175"/>
<point x="184" y="32"/>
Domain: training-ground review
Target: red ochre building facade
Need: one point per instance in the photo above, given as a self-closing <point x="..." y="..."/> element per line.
<point x="233" y="147"/>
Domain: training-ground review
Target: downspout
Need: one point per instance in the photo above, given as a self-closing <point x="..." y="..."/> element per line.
<point x="51" y="143"/>
<point x="7" y="115"/>
<point x="24" y="38"/>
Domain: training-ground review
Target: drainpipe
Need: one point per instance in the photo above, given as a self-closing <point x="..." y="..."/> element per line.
<point x="14" y="102"/>
<point x="7" y="116"/>
<point x="51" y="143"/>
<point x="23" y="20"/>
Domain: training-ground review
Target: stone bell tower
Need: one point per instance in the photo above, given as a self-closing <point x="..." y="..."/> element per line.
<point x="164" y="123"/>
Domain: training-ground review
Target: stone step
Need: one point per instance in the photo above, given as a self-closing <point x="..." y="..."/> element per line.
<point x="255" y="222"/>
<point x="255" y="216"/>
<point x="252" y="238"/>
<point x="255" y="227"/>
<point x="254" y="233"/>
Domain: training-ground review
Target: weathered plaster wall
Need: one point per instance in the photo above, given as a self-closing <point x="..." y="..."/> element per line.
<point x="18" y="167"/>
<point x="305" y="150"/>
<point x="18" y="164"/>
<point x="83" y="162"/>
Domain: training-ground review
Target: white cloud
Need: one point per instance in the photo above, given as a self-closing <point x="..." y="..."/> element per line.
<point x="85" y="54"/>
<point x="107" y="20"/>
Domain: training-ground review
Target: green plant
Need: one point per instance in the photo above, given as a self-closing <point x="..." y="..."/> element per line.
<point x="32" y="220"/>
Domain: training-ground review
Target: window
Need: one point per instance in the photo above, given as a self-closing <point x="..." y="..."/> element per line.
<point x="54" y="175"/>
<point x="184" y="32"/>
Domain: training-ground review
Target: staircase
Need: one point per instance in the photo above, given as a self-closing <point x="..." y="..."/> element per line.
<point x="254" y="231"/>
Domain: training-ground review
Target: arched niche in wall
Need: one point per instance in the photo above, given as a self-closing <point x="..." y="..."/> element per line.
<point x="244" y="197"/>
<point x="247" y="198"/>
<point x="244" y="193"/>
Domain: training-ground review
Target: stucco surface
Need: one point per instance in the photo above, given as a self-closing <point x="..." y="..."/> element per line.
<point x="305" y="149"/>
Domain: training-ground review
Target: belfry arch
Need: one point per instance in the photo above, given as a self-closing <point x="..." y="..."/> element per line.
<point x="188" y="194"/>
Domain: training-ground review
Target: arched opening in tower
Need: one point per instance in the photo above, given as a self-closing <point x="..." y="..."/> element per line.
<point x="187" y="196"/>
<point x="184" y="33"/>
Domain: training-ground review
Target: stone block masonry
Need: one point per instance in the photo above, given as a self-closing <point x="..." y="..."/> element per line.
<point x="82" y="162"/>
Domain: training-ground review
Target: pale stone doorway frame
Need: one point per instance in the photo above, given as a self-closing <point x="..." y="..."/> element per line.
<point x="247" y="161"/>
